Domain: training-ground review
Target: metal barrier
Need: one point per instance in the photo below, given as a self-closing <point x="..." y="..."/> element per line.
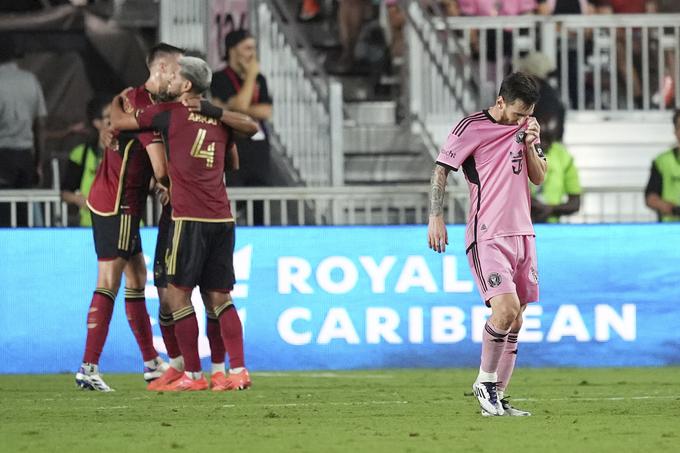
<point x="606" y="62"/>
<point x="307" y="110"/>
<point x="353" y="205"/>
<point x="184" y="23"/>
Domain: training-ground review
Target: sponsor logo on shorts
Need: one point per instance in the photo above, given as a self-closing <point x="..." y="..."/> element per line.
<point x="495" y="279"/>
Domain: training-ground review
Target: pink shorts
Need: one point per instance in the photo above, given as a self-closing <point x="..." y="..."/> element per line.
<point x="505" y="265"/>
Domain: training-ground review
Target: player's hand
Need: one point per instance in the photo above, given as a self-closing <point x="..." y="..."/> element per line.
<point x="106" y="138"/>
<point x="193" y="104"/>
<point x="252" y="68"/>
<point x="162" y="193"/>
<point x="533" y="131"/>
<point x="437" y="237"/>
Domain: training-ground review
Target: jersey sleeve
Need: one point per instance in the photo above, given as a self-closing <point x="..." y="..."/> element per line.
<point x="156" y="118"/>
<point x="456" y="149"/>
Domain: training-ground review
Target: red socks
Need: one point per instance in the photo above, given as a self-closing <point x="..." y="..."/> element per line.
<point x="98" y="319"/>
<point x="232" y="334"/>
<point x="186" y="331"/>
<point x="138" y="318"/>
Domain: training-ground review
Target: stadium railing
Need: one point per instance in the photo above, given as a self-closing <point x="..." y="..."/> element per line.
<point x="307" y="111"/>
<point x="585" y="48"/>
<point x="348" y="205"/>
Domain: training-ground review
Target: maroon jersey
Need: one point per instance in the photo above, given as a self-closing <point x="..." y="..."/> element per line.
<point x="196" y="147"/>
<point x="121" y="184"/>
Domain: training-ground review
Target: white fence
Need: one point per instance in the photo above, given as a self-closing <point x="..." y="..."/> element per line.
<point x="356" y="205"/>
<point x="605" y="62"/>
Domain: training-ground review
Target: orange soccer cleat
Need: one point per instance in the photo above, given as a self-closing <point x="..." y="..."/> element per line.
<point x="170" y="376"/>
<point x="218" y="382"/>
<point x="186" y="384"/>
<point x="238" y="381"/>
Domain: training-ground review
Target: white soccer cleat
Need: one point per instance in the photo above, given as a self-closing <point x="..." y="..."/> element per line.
<point x="153" y="372"/>
<point x="513" y="411"/>
<point x="88" y="378"/>
<point x="488" y="398"/>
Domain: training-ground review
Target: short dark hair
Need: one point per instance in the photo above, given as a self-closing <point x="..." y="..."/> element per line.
<point x="161" y="49"/>
<point x="520" y="85"/>
<point x="676" y="116"/>
<point x="96" y="106"/>
<point x="234" y="38"/>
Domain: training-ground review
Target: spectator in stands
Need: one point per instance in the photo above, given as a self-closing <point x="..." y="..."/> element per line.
<point x="350" y="19"/>
<point x="242" y="88"/>
<point x="558" y="7"/>
<point x="495" y="8"/>
<point x="628" y="7"/>
<point x="560" y="193"/>
<point x="84" y="159"/>
<point x="663" y="189"/>
<point x="22" y="110"/>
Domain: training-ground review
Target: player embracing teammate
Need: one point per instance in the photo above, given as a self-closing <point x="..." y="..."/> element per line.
<point x="200" y="243"/>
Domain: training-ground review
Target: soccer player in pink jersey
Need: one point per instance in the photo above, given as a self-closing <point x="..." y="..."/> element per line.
<point x="500" y="153"/>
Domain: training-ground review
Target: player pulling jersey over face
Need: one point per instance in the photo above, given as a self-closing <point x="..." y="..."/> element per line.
<point x="499" y="152"/>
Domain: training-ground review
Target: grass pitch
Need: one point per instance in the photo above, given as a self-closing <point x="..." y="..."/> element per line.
<point x="575" y="410"/>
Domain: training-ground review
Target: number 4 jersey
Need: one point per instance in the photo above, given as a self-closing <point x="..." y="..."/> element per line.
<point x="196" y="148"/>
<point x="493" y="157"/>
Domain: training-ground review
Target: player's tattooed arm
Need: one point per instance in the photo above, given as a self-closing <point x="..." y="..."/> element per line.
<point x="437" y="189"/>
<point x="437" y="236"/>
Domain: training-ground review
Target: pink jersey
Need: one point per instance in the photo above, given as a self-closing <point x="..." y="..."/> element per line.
<point x="493" y="157"/>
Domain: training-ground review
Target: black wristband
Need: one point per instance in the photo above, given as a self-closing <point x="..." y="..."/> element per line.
<point x="210" y="110"/>
<point x="676" y="211"/>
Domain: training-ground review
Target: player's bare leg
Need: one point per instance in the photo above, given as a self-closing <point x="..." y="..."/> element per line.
<point x="504" y="310"/>
<point x="232" y="335"/>
<point x="138" y="317"/>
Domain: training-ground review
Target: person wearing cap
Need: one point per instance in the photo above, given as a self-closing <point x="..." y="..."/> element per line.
<point x="242" y="88"/>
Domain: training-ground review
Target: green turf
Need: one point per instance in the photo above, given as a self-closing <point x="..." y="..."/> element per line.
<point x="575" y="410"/>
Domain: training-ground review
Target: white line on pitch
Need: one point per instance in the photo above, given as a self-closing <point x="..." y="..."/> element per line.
<point x="323" y="375"/>
<point x="330" y="403"/>
<point x="602" y="398"/>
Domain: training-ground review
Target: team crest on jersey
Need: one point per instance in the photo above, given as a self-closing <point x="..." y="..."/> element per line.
<point x="495" y="279"/>
<point x="519" y="136"/>
<point x="533" y="274"/>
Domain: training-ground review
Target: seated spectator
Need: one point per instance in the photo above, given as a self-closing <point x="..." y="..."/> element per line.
<point x="350" y="20"/>
<point x="22" y="110"/>
<point x="85" y="158"/>
<point x="557" y="7"/>
<point x="663" y="188"/>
